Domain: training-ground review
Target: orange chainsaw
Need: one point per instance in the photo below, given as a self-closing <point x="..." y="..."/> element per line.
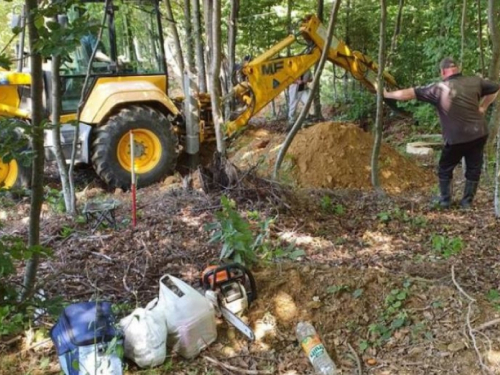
<point x="231" y="289"/>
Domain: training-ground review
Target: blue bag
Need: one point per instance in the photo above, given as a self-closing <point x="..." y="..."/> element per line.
<point x="83" y="337"/>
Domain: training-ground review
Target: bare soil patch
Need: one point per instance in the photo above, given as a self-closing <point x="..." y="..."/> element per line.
<point x="329" y="155"/>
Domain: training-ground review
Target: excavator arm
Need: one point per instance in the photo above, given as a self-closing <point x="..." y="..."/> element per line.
<point x="267" y="76"/>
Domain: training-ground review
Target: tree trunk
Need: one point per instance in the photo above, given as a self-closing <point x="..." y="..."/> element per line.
<point x="480" y="38"/>
<point x="231" y="51"/>
<point x="82" y="102"/>
<point x="191" y="92"/>
<point x="334" y="82"/>
<point x="215" y="74"/>
<point x="316" y="93"/>
<point x="69" y="200"/>
<point x="38" y="150"/>
<point x="317" y="75"/>
<point x="462" y="31"/>
<point x="497" y="178"/>
<point x="289" y="23"/>
<point x="397" y="30"/>
<point x="200" y="59"/>
<point x="189" y="36"/>
<point x="173" y="30"/>
<point x="348" y="42"/>
<point x="208" y="6"/>
<point x="493" y="9"/>
<point x="288" y="49"/>
<point x="380" y="98"/>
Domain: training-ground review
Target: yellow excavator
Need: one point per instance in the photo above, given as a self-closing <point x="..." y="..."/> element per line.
<point x="128" y="91"/>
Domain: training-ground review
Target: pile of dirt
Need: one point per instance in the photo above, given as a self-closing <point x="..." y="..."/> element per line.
<point x="328" y="155"/>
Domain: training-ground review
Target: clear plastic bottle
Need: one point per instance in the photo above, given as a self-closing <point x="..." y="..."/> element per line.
<point x="315" y="350"/>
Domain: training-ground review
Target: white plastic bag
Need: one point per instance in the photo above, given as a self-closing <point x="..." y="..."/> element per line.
<point x="145" y="333"/>
<point x="190" y="318"/>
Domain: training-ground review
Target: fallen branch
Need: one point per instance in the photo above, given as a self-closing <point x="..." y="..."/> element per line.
<point x="484" y="368"/>
<point x="11" y="341"/>
<point x="356" y="357"/>
<point x="458" y="286"/>
<point x="237" y="369"/>
<point x="101" y="255"/>
<point x="489" y="324"/>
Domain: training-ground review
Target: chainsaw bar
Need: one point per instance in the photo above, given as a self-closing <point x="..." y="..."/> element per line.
<point x="237" y="323"/>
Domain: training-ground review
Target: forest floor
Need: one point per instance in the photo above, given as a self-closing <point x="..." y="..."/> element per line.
<point x="392" y="286"/>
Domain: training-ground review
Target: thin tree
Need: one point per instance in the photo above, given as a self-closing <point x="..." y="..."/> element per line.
<point x="175" y="35"/>
<point x="462" y="31"/>
<point x="494" y="71"/>
<point x="397" y="31"/>
<point x="480" y="38"/>
<point x="348" y="42"/>
<point x="38" y="149"/>
<point x="208" y="6"/>
<point x="232" y="30"/>
<point x="215" y="75"/>
<point x="289" y="8"/>
<point x="307" y="106"/>
<point x="316" y="93"/>
<point x="497" y="178"/>
<point x="191" y="91"/>
<point x="81" y="103"/>
<point x="198" y="41"/>
<point x="493" y="9"/>
<point x="189" y="42"/>
<point x="69" y="200"/>
<point x="380" y="98"/>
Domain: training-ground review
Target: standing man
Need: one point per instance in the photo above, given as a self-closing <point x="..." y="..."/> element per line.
<point x="298" y="92"/>
<point x="461" y="103"/>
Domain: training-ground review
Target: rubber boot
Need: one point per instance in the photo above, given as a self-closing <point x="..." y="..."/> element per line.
<point x="470" y="190"/>
<point x="444" y="201"/>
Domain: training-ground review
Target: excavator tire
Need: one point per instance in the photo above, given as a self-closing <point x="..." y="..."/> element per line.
<point x="13" y="174"/>
<point x="155" y="147"/>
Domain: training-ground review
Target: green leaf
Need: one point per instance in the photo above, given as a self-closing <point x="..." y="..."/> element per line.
<point x="336" y="289"/>
<point x="401" y="295"/>
<point x="397" y="304"/>
<point x="493" y="295"/>
<point x="357" y="293"/>
<point x="297" y="254"/>
<point x="39" y="22"/>
<point x="53" y="25"/>
<point x="363" y="345"/>
<point x="398" y="323"/>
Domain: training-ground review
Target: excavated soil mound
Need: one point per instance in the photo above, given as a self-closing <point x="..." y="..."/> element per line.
<point x="328" y="155"/>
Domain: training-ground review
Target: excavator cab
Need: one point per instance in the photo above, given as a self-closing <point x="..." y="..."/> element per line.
<point x="131" y="45"/>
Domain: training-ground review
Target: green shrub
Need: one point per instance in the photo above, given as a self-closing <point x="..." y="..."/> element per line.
<point x="13" y="314"/>
<point x="235" y="233"/>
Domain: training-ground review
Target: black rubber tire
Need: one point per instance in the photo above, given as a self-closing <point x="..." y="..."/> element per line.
<point x="105" y="146"/>
<point x="23" y="177"/>
<point x="22" y="180"/>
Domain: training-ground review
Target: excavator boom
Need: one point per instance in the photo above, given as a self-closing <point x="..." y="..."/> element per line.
<point x="267" y="76"/>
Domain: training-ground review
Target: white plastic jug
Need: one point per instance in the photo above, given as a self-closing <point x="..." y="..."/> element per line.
<point x="190" y="318"/>
<point x="145" y="333"/>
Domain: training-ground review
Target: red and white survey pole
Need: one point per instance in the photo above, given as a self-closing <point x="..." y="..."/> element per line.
<point x="132" y="176"/>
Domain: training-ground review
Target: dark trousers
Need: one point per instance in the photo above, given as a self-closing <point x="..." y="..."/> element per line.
<point x="452" y="154"/>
